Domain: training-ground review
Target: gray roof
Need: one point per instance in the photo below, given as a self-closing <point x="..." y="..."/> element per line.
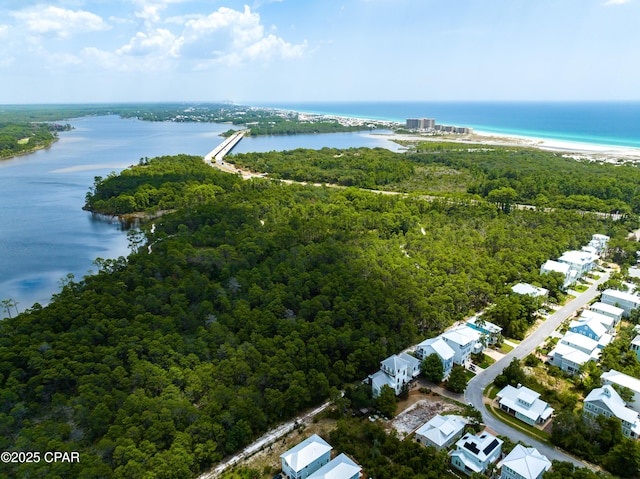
<point x="441" y="429"/>
<point x="342" y="467"/>
<point x="527" y="462"/>
<point x="300" y="456"/>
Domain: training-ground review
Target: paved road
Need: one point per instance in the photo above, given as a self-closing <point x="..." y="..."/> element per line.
<point x="476" y="386"/>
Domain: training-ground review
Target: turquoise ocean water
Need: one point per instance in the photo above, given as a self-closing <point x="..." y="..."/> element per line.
<point x="603" y="123"/>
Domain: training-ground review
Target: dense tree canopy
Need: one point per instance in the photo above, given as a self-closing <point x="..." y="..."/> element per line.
<point x="243" y="307"/>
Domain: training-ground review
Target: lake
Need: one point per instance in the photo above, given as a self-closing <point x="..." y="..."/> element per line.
<point x="46" y="235"/>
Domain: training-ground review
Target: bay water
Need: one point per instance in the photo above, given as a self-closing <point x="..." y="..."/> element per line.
<point x="45" y="234"/>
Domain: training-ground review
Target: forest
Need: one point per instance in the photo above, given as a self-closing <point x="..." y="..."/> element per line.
<point x="502" y="175"/>
<point x="249" y="302"/>
<point x="17" y="138"/>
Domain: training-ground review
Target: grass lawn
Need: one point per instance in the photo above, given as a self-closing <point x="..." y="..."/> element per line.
<point x="581" y="288"/>
<point x="516" y="423"/>
<point x="567" y="299"/>
<point x="505" y="348"/>
<point x="486" y="362"/>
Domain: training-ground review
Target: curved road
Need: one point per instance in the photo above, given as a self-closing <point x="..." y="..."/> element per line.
<point x="476" y="386"/>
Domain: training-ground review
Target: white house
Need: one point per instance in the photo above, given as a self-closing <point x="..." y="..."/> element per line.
<point x="441" y="431"/>
<point x="302" y="460"/>
<point x="475" y="453"/>
<point x="581" y="342"/>
<point x="394" y="372"/>
<point x="440" y="347"/>
<point x="342" y="467"/>
<point x="570" y="359"/>
<point x="592" y="328"/>
<point x="413" y="365"/>
<point x="622" y="380"/>
<point x="490" y="332"/>
<point x="599" y="242"/>
<point x="525" y="404"/>
<point x="524" y="463"/>
<point x="563" y="268"/>
<point x="608" y="310"/>
<point x="621" y="299"/>
<point x="607" y="402"/>
<point x="463" y="341"/>
<point x="579" y="261"/>
<point x="607" y="321"/>
<point x="529" y="289"/>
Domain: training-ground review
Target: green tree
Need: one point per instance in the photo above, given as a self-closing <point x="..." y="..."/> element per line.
<point x="431" y="368"/>
<point x="457" y="381"/>
<point x="386" y="402"/>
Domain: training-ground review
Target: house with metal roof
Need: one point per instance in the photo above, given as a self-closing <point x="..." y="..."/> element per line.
<point x="475" y="453"/>
<point x="613" y="377"/>
<point x="463" y="341"/>
<point x="439" y="347"/>
<point x="570" y="359"/>
<point x="608" y="310"/>
<point x="525" y="404"/>
<point x="592" y="328"/>
<point x="621" y="299"/>
<point x="607" y="402"/>
<point x="440" y="431"/>
<point x="342" y="467"/>
<point x="554" y="266"/>
<point x="579" y="261"/>
<point x="530" y="290"/>
<point x="524" y="463"/>
<point x="304" y="459"/>
<point x="394" y="372"/>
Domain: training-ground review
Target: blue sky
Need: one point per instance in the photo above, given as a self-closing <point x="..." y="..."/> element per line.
<point x="318" y="50"/>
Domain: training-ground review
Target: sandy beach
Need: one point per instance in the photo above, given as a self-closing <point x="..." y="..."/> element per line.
<point x="569" y="149"/>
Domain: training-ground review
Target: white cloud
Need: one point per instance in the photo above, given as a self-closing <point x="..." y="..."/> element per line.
<point x="233" y="37"/>
<point x="616" y="2"/>
<point x="59" y="21"/>
<point x="159" y="42"/>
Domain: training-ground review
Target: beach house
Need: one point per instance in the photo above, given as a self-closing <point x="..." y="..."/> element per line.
<point x="524" y="463"/>
<point x="525" y="404"/>
<point x="608" y="310"/>
<point x="490" y="332"/>
<point x="342" y="467"/>
<point x="530" y="290"/>
<point x="554" y="266"/>
<point x="475" y="453"/>
<point x="464" y="341"/>
<point x="440" y="431"/>
<point x="394" y="372"/>
<point x="607" y="402"/>
<point x="621" y="299"/>
<point x="307" y="457"/>
<point x="613" y="377"/>
<point x="439" y="347"/>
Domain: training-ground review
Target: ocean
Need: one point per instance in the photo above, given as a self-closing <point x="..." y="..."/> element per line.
<point x="602" y="123"/>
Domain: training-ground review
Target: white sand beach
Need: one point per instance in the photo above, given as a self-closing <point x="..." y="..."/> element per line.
<point x="570" y="149"/>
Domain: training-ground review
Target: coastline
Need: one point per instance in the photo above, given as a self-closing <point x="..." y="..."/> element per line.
<point x="569" y="149"/>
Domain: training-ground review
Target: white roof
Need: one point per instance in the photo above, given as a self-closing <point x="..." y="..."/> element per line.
<point x="441" y="428"/>
<point x="600" y="237"/>
<point x="570" y="353"/>
<point x="412" y="362"/>
<point x="461" y="335"/>
<point x="577" y="257"/>
<point x="481" y="446"/>
<point x="512" y="397"/>
<point x="380" y="378"/>
<point x="300" y="456"/>
<point x="605" y="320"/>
<point x="592" y="323"/>
<point x="608" y="397"/>
<point x="527" y="462"/>
<point x="439" y="346"/>
<point x="339" y="468"/>
<point x="609" y="308"/>
<point x="636" y="341"/>
<point x="395" y="363"/>
<point x="526" y="288"/>
<point x="621" y="379"/>
<point x="623" y="295"/>
<point x="551" y="265"/>
<point x="579" y="341"/>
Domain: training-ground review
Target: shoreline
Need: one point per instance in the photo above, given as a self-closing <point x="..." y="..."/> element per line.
<point x="569" y="149"/>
